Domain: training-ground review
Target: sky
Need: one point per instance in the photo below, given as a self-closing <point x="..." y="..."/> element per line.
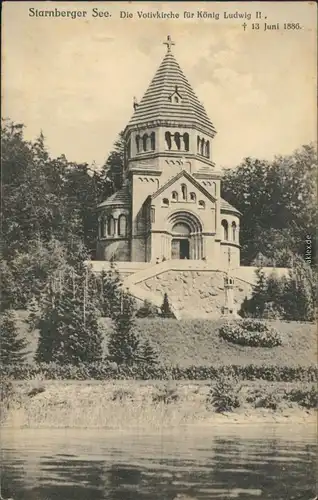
<point x="75" y="79"/>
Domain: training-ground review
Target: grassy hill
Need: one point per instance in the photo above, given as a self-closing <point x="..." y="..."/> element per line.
<point x="196" y="342"/>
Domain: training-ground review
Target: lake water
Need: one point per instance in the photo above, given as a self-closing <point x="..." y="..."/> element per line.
<point x="221" y="463"/>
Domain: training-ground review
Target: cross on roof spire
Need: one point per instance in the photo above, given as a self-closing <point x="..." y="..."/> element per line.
<point x="169" y="43"/>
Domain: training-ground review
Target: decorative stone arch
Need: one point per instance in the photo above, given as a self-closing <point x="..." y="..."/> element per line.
<point x="153" y="141"/>
<point x="185" y="138"/>
<point x="185" y="229"/>
<point x="234" y="231"/>
<point x="225" y="226"/>
<point x="174" y="196"/>
<point x="122" y="225"/>
<point x="184" y="192"/>
<point x="110" y="226"/>
<point x="145" y="141"/>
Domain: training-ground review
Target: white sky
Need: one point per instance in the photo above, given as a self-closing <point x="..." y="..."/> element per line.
<point x="75" y="79"/>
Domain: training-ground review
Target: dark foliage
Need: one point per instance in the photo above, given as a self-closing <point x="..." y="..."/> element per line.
<point x="12" y="346"/>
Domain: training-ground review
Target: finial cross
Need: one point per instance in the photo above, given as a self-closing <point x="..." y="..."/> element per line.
<point x="169" y="43"/>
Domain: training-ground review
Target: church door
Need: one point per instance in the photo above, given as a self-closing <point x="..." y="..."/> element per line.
<point x="175" y="249"/>
<point x="184" y="249"/>
<point x="180" y="248"/>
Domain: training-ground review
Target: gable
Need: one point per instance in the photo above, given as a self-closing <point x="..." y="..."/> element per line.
<point x="174" y="185"/>
<point x="183" y="188"/>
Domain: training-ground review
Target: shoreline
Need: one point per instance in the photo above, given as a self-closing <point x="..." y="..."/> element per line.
<point x="152" y="406"/>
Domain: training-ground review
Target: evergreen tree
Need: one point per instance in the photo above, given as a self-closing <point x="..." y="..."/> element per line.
<point x="147" y="310"/>
<point x="299" y="296"/>
<point x="69" y="330"/>
<point x="148" y="355"/>
<point x="12" y="347"/>
<point x="166" y="311"/>
<point x="110" y="291"/>
<point x="123" y="345"/>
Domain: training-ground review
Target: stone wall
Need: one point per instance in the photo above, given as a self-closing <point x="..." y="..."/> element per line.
<point x="196" y="293"/>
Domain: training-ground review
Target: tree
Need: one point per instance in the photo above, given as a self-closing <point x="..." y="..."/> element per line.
<point x="300" y="296"/>
<point x="123" y="344"/>
<point x="68" y="324"/>
<point x="12" y="346"/>
<point x="113" y="169"/>
<point x="110" y="291"/>
<point x="147" y="310"/>
<point x="166" y="311"/>
<point x="278" y="203"/>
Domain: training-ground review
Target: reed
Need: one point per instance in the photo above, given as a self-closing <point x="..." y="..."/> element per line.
<point x="131" y="405"/>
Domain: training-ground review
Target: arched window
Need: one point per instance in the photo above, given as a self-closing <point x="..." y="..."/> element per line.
<point x="165" y="202"/>
<point x="233" y="231"/>
<point x="186" y="141"/>
<point x="207" y="149"/>
<point x="102" y="223"/>
<point x="174" y="196"/>
<point x="122" y="225"/>
<point x="168" y="140"/>
<point x="201" y="204"/>
<point x="153" y="141"/>
<point x="193" y="197"/>
<point x="198" y="143"/>
<point x="176" y="98"/>
<point x="202" y="147"/>
<point x="213" y="187"/>
<point x="129" y="148"/>
<point x="145" y="142"/>
<point x="177" y="140"/>
<point x="110" y="226"/>
<point x="138" y="143"/>
<point x="225" y="226"/>
<point x="184" y="191"/>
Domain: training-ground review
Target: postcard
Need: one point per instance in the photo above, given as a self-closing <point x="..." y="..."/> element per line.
<point x="159" y="208"/>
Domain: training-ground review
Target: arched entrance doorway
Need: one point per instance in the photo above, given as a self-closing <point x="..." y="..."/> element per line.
<point x="180" y="243"/>
<point x="186" y="235"/>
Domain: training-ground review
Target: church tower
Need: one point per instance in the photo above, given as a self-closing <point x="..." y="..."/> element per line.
<point x="170" y="206"/>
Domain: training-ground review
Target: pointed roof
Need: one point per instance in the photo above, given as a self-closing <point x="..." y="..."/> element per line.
<point x="121" y="197"/>
<point x="157" y="105"/>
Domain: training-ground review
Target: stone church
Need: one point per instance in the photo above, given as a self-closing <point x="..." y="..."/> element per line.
<point x="170" y="206"/>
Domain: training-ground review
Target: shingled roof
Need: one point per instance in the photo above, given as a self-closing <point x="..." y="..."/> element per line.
<point x="157" y="105"/>
<point x="226" y="206"/>
<point x="121" y="197"/>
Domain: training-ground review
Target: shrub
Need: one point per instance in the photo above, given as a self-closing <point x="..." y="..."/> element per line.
<point x="147" y="310"/>
<point x="141" y="371"/>
<point x="250" y="332"/>
<point x="6" y="389"/>
<point x="308" y="398"/>
<point x="122" y="395"/>
<point x="224" y="394"/>
<point x="270" y="401"/>
<point x="166" y="395"/>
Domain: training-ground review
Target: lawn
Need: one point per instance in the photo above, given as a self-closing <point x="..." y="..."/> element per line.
<point x="196" y="342"/>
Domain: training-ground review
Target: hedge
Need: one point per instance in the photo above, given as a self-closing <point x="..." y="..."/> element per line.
<point x="108" y="371"/>
<point x="250" y="332"/>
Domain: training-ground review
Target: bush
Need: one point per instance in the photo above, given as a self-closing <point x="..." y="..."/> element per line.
<point x="224" y="395"/>
<point x="166" y="395"/>
<point x="308" y="398"/>
<point x="147" y="310"/>
<point x="141" y="371"/>
<point x="250" y="332"/>
<point x="270" y="401"/>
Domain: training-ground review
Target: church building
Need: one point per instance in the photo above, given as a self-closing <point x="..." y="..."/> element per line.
<point x="170" y="204"/>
